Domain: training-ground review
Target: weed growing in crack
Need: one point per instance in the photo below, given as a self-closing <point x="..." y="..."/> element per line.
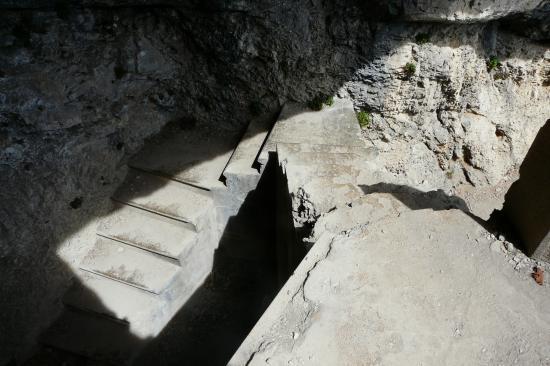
<point x="409" y="69"/>
<point x="316" y="104"/>
<point x="364" y="119"/>
<point x="492" y="63"/>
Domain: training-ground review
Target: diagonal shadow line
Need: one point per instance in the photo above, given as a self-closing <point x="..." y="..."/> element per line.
<point x="415" y="199"/>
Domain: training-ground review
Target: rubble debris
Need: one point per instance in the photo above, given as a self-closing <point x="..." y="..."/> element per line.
<point x="538" y="275"/>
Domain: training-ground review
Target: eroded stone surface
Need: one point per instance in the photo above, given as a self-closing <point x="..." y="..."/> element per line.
<point x="406" y="287"/>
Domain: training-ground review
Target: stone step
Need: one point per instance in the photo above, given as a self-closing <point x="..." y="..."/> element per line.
<point x="143" y="310"/>
<point x="300" y="148"/>
<point x="335" y="125"/>
<point x="293" y="154"/>
<point x="93" y="337"/>
<point x="148" y="231"/>
<point x="130" y="265"/>
<point x="299" y="173"/>
<point x="164" y="197"/>
<point x="244" y="156"/>
<point x="196" y="156"/>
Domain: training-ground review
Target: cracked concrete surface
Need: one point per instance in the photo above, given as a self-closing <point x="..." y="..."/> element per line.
<point x="416" y="287"/>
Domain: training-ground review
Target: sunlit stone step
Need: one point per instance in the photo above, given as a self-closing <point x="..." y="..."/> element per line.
<point x="164" y="196"/>
<point x="149" y="231"/>
<point x="124" y="263"/>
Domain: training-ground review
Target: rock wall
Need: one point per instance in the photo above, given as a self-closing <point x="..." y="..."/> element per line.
<point x="83" y="84"/>
<point x="455" y="122"/>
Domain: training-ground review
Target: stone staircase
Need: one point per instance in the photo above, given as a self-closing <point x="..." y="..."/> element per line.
<point x="321" y="155"/>
<point x="156" y="246"/>
<point x="151" y="253"/>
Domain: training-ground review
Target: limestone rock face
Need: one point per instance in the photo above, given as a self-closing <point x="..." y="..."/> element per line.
<point x="454" y="122"/>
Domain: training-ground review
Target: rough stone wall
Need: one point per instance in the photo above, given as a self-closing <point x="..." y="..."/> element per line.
<point x="82" y="84"/>
<point x="454" y="122"/>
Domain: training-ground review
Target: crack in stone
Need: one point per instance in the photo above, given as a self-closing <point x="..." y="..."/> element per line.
<point x="261" y="347"/>
<point x="301" y="289"/>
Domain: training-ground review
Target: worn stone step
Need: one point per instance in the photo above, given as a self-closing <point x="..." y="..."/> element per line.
<point x="164" y="196"/>
<point x="133" y="266"/>
<point x="196" y="156"/>
<point x="318" y="158"/>
<point x="149" y="231"/>
<point x="244" y="156"/>
<point x="304" y="147"/>
<point x="334" y="125"/>
<point x="299" y="173"/>
<point x="143" y="310"/>
<point x="93" y="337"/>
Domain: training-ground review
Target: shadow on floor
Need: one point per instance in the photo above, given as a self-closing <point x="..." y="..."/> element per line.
<point x="415" y="199"/>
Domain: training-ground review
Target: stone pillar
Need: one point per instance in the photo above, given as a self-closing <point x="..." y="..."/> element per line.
<point x="527" y="203"/>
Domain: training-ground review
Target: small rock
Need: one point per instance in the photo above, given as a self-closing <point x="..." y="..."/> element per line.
<point x="509" y="246"/>
<point x="295" y="335"/>
<point x="538" y="275"/>
<point x="501" y="237"/>
<point x="497" y="247"/>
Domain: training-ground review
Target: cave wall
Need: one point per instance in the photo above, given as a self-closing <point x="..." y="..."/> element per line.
<point x="83" y="84"/>
<point x="82" y="88"/>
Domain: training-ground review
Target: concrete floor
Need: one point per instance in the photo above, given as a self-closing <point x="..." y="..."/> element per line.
<point x="403" y="287"/>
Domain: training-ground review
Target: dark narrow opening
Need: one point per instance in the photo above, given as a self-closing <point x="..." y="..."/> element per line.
<point x="525" y="215"/>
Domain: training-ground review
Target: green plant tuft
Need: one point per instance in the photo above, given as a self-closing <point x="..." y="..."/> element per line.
<point x="364" y="119"/>
<point x="422" y="38"/>
<point x="317" y="103"/>
<point x="492" y="63"/>
<point x="409" y="69"/>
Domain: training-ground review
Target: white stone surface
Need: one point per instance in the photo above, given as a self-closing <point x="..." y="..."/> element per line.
<point x="148" y="231"/>
<point x="164" y="196"/>
<point x="409" y="288"/>
<point x="124" y="263"/>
